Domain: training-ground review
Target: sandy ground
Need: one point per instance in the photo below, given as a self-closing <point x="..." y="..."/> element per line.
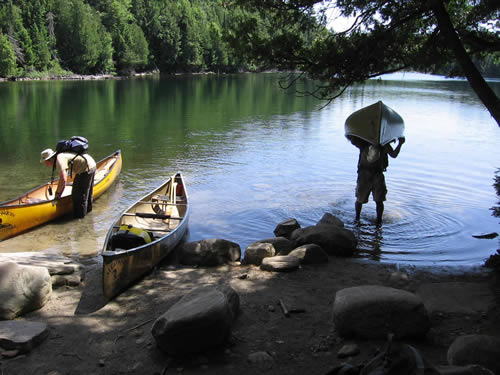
<point x="89" y="335"/>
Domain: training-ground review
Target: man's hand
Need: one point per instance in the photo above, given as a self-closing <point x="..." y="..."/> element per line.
<point x="401" y="140"/>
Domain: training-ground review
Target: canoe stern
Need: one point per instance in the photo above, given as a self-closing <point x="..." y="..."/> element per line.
<point x="376" y="124"/>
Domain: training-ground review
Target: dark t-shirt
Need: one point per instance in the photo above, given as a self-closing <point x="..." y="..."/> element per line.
<point x="379" y="165"/>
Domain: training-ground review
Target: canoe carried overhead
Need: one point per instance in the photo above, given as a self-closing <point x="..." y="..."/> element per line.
<point x="39" y="206"/>
<point x="377" y="124"/>
<point x="144" y="234"/>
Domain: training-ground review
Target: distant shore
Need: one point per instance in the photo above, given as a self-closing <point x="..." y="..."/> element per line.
<point x="77" y="77"/>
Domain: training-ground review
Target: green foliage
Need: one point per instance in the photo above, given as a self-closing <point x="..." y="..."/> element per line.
<point x="12" y="25"/>
<point x="129" y="44"/>
<point x="83" y="43"/>
<point x="7" y="57"/>
<point x="496" y="185"/>
<point x="103" y="36"/>
<point x="386" y="36"/>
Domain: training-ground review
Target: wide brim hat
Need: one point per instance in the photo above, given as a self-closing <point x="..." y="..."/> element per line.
<point x="46" y="155"/>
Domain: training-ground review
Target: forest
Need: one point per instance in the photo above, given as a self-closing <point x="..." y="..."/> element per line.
<point x="115" y="36"/>
<point x="62" y="37"/>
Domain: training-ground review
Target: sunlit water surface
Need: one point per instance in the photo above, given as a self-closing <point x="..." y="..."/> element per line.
<point x="254" y="155"/>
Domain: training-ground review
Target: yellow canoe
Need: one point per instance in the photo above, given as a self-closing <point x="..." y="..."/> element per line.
<point x="38" y="207"/>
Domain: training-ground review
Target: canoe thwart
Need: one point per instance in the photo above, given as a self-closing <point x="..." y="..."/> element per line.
<point x="152" y="216"/>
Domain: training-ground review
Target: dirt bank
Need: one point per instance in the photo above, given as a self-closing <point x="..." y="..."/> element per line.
<point x="90" y="336"/>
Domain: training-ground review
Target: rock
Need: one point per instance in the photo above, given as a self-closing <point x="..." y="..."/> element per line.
<point x="209" y="252"/>
<point x="399" y="278"/>
<point x="73" y="279"/>
<point x="282" y="263"/>
<point x="56" y="264"/>
<point x="373" y="311"/>
<point x="199" y="321"/>
<point x="480" y="350"/>
<point x="488" y="235"/>
<point x="23" y="289"/>
<point x="63" y="270"/>
<point x="282" y="245"/>
<point x="329" y="219"/>
<point x="310" y="254"/>
<point x="262" y="360"/>
<point x="257" y="251"/>
<point x="286" y="227"/>
<point x="348" y="350"/>
<point x="332" y="239"/>
<point x="21" y="335"/>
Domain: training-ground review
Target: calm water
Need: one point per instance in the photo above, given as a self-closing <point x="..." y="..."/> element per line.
<point x="254" y="155"/>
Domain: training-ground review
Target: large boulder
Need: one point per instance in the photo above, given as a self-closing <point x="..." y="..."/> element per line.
<point x="329" y="219"/>
<point x="481" y="350"/>
<point x="334" y="240"/>
<point x="257" y="251"/>
<point x="374" y="311"/>
<point x="209" y="252"/>
<point x="23" y="289"/>
<point x="200" y="321"/>
<point x="286" y="228"/>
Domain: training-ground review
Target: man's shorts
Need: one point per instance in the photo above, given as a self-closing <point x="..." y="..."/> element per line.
<point x="370" y="182"/>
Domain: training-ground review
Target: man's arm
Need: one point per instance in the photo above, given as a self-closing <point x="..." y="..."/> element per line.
<point x="63" y="179"/>
<point x="393" y="153"/>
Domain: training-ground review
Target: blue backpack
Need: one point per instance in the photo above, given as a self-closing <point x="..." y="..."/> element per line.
<point x="77" y="145"/>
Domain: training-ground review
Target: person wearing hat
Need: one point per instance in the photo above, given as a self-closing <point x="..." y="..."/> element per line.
<point x="372" y="164"/>
<point x="82" y="167"/>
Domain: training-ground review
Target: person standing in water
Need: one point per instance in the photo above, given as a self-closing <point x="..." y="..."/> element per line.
<point x="373" y="162"/>
<point x="83" y="168"/>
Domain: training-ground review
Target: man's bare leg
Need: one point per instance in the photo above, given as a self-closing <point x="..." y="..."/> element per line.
<point x="358" y="207"/>
<point x="380" y="212"/>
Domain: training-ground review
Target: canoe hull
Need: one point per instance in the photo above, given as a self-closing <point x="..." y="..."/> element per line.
<point x="121" y="268"/>
<point x="377" y="124"/>
<point x="35" y="208"/>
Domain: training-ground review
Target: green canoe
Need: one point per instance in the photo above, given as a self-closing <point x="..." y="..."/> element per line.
<point x="376" y="124"/>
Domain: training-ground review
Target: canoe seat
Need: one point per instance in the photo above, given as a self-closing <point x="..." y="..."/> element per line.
<point x="159" y="204"/>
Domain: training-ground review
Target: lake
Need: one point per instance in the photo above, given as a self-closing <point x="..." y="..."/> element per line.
<point x="253" y="155"/>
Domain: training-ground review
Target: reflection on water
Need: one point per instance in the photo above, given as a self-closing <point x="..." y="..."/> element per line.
<point x="253" y="155"/>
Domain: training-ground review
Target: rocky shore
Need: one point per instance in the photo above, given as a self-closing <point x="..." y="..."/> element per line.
<point x="321" y="316"/>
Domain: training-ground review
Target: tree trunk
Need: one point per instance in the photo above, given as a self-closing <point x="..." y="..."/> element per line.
<point x="476" y="80"/>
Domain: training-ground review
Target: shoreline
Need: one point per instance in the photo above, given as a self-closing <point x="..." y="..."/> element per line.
<point x="97" y="77"/>
<point x="115" y="336"/>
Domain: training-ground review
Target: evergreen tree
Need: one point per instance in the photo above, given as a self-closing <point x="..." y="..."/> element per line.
<point x="83" y="43"/>
<point x="7" y="57"/>
<point x="130" y="46"/>
<point x="12" y="25"/>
